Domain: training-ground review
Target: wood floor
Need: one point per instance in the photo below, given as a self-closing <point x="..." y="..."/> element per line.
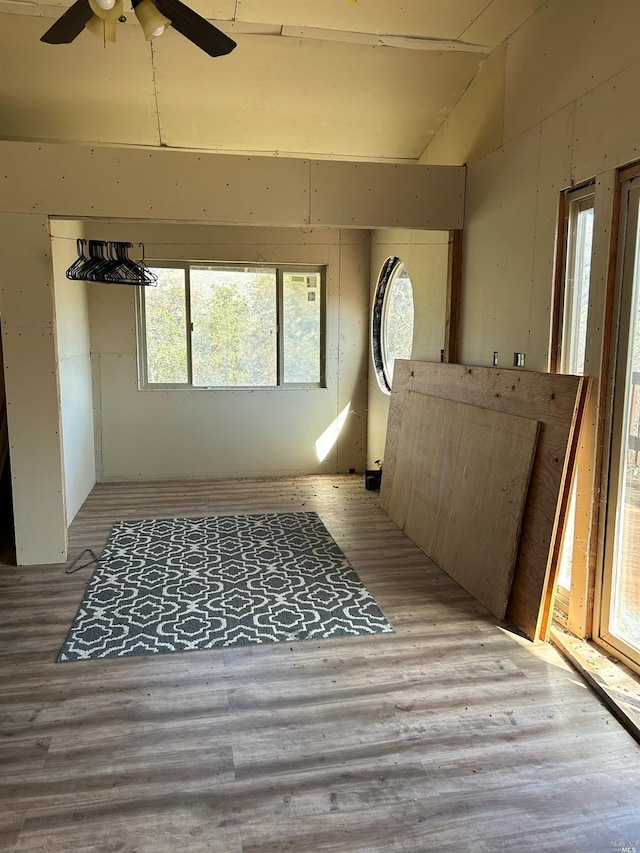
<point x="450" y="735"/>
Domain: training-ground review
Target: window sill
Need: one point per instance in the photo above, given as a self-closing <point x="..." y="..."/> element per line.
<point x="616" y="685"/>
<point x="244" y="388"/>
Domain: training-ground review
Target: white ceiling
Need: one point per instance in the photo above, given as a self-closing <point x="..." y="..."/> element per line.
<point x="368" y="79"/>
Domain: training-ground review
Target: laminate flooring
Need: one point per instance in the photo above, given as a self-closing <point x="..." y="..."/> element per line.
<point x="452" y="734"/>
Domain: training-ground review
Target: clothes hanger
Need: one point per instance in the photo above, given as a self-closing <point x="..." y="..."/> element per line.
<point x="109" y="263"/>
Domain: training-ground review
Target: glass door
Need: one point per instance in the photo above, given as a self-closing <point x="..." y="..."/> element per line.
<point x="620" y="602"/>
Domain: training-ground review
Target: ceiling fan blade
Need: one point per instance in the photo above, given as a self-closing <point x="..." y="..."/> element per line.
<point x="198" y="30"/>
<point x="69" y="25"/>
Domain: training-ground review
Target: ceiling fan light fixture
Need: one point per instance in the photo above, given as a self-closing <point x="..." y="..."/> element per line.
<point x="154" y="17"/>
<point x="151" y="19"/>
<point x="105" y="30"/>
<point x="98" y="7"/>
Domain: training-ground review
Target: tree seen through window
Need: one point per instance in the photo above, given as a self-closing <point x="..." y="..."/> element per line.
<point x="235" y="326"/>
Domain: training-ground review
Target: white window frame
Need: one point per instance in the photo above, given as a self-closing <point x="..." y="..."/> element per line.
<point x="281" y="270"/>
<point x="389" y="272"/>
<point x="628" y="298"/>
<point x="576" y="201"/>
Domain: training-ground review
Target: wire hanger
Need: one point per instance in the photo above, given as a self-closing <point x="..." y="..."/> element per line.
<point x="109" y="263"/>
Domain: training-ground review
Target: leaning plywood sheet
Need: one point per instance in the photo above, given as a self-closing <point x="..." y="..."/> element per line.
<point x="461" y="480"/>
<point x="557" y="402"/>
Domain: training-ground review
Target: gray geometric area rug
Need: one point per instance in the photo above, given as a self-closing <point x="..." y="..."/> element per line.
<point x="173" y="585"/>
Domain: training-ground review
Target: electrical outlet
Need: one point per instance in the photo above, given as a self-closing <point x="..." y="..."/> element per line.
<point x="518" y="359"/>
<point x="495" y="358"/>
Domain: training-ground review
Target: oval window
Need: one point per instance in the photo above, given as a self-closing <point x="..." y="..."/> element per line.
<point x="392" y="320"/>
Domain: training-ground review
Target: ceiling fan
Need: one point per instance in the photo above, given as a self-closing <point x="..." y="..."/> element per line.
<point x="101" y="16"/>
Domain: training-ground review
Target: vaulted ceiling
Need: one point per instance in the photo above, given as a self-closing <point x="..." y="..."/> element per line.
<point x="363" y="80"/>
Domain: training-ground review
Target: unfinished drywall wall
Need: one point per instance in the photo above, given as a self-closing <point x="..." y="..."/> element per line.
<point x="272" y="94"/>
<point x="77" y="181"/>
<point x="150" y="434"/>
<point x="38" y="181"/>
<point x="475" y="127"/>
<point x="571" y="77"/>
<point x="426" y="257"/>
<point x="74" y="370"/>
<point x="31" y="381"/>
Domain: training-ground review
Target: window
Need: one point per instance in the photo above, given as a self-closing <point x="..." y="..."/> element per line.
<point x="577" y="279"/>
<point x="206" y="326"/>
<point x="619" y="626"/>
<point x="579" y="206"/>
<point x="392" y="320"/>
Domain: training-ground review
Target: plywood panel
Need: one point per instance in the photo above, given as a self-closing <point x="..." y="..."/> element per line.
<point x="461" y="480"/>
<point x="557" y="402"/>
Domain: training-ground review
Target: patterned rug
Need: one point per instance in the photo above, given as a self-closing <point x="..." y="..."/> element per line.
<point x="169" y="585"/>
